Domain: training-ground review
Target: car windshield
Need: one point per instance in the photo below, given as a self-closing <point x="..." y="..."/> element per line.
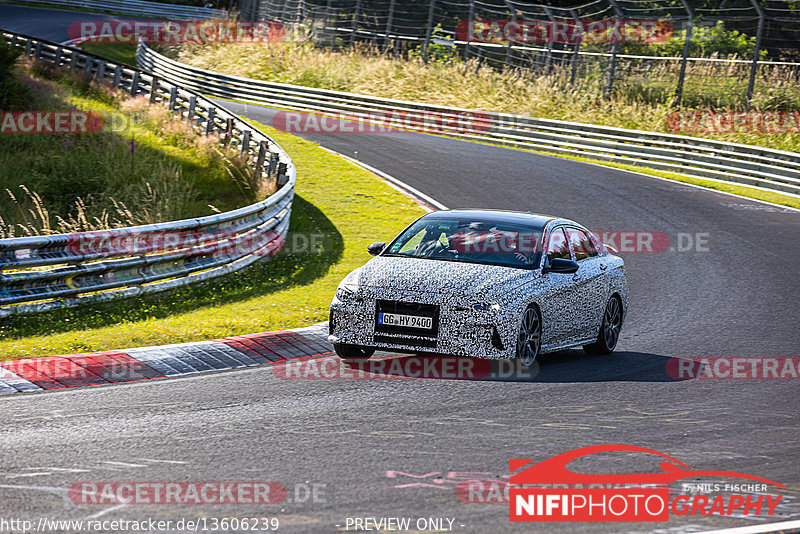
<point x="470" y="241"/>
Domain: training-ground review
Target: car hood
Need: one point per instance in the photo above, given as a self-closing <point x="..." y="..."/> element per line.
<point x="445" y="277"/>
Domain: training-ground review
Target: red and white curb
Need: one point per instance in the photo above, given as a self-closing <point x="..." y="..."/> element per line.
<point x="108" y="367"/>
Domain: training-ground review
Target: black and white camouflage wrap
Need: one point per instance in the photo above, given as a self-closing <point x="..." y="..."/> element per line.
<point x="571" y="305"/>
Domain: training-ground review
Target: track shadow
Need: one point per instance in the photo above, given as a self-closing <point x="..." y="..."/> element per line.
<point x="287" y="269"/>
<point x="567" y="366"/>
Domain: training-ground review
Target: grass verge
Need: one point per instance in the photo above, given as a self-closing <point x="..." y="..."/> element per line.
<point x="334" y="198"/>
<point x="143" y="165"/>
<point x="121" y="52"/>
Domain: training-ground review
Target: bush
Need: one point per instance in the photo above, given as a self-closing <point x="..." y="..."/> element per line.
<point x="13" y="95"/>
<point x="707" y="41"/>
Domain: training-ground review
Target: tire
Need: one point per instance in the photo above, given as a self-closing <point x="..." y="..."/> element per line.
<point x="529" y="339"/>
<point x="352" y="353"/>
<point x="609" y="330"/>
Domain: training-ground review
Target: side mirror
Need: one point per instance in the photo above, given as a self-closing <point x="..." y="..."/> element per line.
<point x="561" y="266"/>
<point x="376" y="248"/>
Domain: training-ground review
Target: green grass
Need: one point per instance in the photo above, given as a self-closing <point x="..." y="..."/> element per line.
<point x="334" y="198"/>
<point x="120" y="52"/>
<point x="64" y="183"/>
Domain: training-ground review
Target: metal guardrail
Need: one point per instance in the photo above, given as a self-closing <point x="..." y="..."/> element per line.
<point x="759" y="167"/>
<point x="44" y="272"/>
<point x="140" y="8"/>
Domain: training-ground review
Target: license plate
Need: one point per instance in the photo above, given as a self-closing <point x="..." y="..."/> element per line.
<point x="409" y="321"/>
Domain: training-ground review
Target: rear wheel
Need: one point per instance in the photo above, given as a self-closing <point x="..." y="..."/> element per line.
<point x="352" y="353"/>
<point x="530" y="336"/>
<point x="609" y="331"/>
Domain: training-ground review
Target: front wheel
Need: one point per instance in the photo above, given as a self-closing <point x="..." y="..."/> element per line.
<point x="352" y="353"/>
<point x="530" y="336"/>
<point x="609" y="331"/>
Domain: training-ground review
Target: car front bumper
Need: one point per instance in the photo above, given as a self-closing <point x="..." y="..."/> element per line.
<point x="462" y="331"/>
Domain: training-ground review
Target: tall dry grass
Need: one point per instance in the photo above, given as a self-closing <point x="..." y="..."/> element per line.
<point x="82" y="182"/>
<point x="643" y="96"/>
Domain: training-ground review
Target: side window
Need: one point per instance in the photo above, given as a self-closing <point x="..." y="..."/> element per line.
<point x="598" y="244"/>
<point x="558" y="246"/>
<point x="581" y="244"/>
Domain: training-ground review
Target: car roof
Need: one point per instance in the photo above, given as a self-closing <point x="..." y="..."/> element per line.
<point x="514" y="217"/>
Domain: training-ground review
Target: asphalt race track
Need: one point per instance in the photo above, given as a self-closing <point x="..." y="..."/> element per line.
<point x="397" y="448"/>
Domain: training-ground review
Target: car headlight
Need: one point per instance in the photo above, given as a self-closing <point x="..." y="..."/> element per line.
<point x="348" y="287"/>
<point x="346" y="292"/>
<point x="484" y="307"/>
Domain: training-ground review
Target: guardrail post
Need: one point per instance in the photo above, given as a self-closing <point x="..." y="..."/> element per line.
<point x="273" y="163"/>
<point x="282" y="177"/>
<point x="101" y="71"/>
<point x="469" y="30"/>
<point x="38" y="50"/>
<point x="117" y="75"/>
<point x="389" y="21"/>
<point x="354" y="28"/>
<point x="509" y="50"/>
<point x="87" y="69"/>
<point x="57" y="59"/>
<point x="173" y="97"/>
<point x="612" y="64"/>
<point x="576" y="53"/>
<point x="262" y="154"/>
<point x="428" y="31"/>
<point x="210" y="122"/>
<point x="549" y="57"/>
<point x="245" y="142"/>
<point x="13" y="41"/>
<point x="228" y="132"/>
<point x="192" y="106"/>
<point x="326" y="18"/>
<point x="154" y="89"/>
<point x="27" y="47"/>
<point x="757" y="50"/>
<point x="135" y="83"/>
<point x="686" y="42"/>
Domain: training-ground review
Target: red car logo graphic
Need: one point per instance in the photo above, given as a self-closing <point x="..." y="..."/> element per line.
<point x="554" y="470"/>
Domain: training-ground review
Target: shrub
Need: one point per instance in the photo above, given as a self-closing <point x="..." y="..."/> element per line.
<point x="13" y="95"/>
